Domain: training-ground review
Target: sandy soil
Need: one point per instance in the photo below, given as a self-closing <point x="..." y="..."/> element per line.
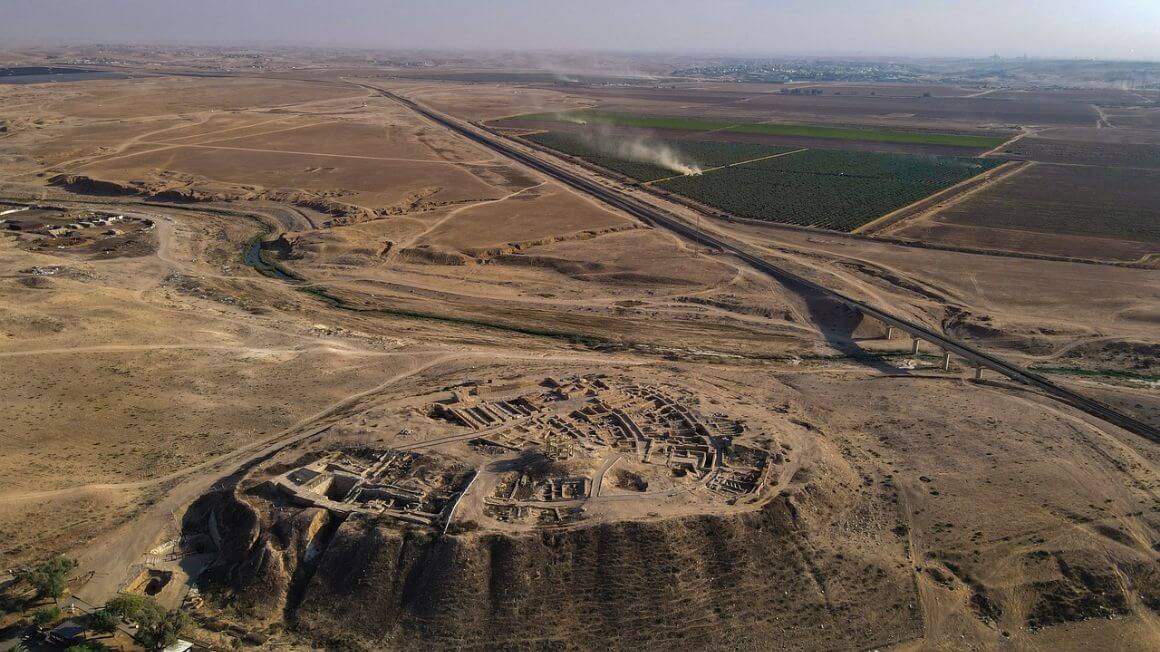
<point x="916" y="509"/>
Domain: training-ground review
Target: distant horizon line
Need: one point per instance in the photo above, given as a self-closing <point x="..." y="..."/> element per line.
<point x="706" y="52"/>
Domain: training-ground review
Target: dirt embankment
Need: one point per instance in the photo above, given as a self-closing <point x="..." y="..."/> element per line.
<point x="341" y="212"/>
<point x="1008" y="334"/>
<point x="745" y="581"/>
<point x="515" y="253"/>
<point x="1139" y="357"/>
<point x="86" y="185"/>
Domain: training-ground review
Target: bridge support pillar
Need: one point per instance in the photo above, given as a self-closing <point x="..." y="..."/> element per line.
<point x="889" y="332"/>
<point x="946" y="365"/>
<point x="914" y="346"/>
<point x="978" y="372"/>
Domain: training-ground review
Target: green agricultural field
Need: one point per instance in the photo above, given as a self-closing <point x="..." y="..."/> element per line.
<point x="575" y="146"/>
<point x="617" y="155"/>
<point x="765" y="129"/>
<point x="827" y="189"/>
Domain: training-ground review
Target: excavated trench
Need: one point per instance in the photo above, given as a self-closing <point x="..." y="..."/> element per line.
<point x="308" y="564"/>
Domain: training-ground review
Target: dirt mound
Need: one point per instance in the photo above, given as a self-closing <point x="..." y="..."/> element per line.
<point x="1145" y="315"/>
<point x="961" y="323"/>
<point x="1087" y="588"/>
<point x="84" y="185"/>
<point x="561" y="265"/>
<point x="192" y="190"/>
<point x="425" y="254"/>
<point x="81" y="184"/>
<point x="35" y="282"/>
<point x="732" y="303"/>
<point x="1013" y="336"/>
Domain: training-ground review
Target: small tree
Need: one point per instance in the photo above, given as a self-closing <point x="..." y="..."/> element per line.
<point x="102" y="621"/>
<point x="45" y="616"/>
<point x="158" y="628"/>
<point x="50" y="578"/>
<point x="125" y="605"/>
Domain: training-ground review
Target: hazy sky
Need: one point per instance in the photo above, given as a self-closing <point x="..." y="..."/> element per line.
<point x="1115" y="29"/>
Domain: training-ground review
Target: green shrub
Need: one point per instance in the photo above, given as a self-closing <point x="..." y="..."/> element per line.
<point x="103" y="621"/>
<point x="46" y="616"/>
<point x="125" y="605"/>
<point x="158" y="628"/>
<point x="50" y="578"/>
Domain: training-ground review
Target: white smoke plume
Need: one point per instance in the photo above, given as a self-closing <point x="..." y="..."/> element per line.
<point x="568" y="117"/>
<point x="639" y="147"/>
<point x="656" y="153"/>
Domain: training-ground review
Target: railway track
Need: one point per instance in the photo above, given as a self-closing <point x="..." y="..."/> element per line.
<point x="654" y="217"/>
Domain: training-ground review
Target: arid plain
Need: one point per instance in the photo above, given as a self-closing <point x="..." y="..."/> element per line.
<point x="566" y="427"/>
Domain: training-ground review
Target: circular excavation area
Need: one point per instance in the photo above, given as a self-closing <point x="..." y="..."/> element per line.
<point x="556" y="453"/>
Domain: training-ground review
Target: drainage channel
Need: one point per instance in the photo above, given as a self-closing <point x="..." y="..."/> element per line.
<point x="252" y="256"/>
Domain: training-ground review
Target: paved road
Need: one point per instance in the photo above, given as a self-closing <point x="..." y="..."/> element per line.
<point x="653" y="216"/>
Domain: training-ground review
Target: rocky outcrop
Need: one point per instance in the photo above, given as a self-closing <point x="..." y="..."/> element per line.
<point x="85" y="185"/>
<point x="269" y="556"/>
<point x="81" y="184"/>
<point x="191" y="190"/>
